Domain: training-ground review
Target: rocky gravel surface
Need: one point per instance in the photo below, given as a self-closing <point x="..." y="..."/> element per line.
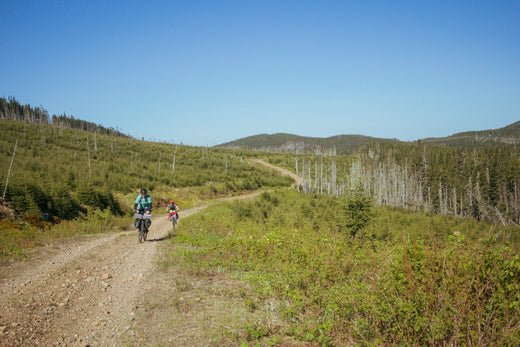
<point x="84" y="294"/>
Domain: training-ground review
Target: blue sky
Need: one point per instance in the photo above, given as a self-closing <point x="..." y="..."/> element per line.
<point x="207" y="72"/>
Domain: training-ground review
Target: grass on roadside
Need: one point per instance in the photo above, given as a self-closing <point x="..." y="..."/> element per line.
<point x="405" y="278"/>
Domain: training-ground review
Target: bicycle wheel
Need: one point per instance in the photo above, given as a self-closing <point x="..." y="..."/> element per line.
<point x="140" y="236"/>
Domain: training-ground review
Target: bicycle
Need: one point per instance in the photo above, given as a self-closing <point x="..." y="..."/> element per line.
<point x="142" y="222"/>
<point x="173" y="216"/>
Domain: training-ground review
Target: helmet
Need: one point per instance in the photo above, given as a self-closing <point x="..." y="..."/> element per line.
<point x="143" y="191"/>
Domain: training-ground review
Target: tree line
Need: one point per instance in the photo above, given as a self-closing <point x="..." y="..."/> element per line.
<point x="483" y="183"/>
<point x="479" y="183"/>
<point x="11" y="109"/>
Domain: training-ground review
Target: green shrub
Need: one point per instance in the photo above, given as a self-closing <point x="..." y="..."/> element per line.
<point x="28" y="199"/>
<point x="64" y="205"/>
<point x="98" y="199"/>
<point x="357" y="213"/>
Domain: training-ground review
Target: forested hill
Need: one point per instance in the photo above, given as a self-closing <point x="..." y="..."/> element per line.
<point x="340" y="144"/>
<point x="509" y="134"/>
<point x="347" y="144"/>
<point x="11" y="109"/>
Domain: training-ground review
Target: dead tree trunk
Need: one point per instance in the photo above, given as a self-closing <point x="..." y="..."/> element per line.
<point x="333" y="178"/>
<point x="321" y="176"/>
<point x="173" y="162"/>
<point x="297" y="175"/>
<point x="10" y="167"/>
<point x="88" y="158"/>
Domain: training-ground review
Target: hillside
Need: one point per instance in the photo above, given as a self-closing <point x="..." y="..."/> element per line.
<point x="11" y="109"/>
<point x="509" y="134"/>
<point x="348" y="144"/>
<point x="57" y="171"/>
<point x="340" y="144"/>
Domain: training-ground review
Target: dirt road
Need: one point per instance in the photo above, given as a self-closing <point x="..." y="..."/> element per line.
<point x="87" y="293"/>
<point x="282" y="171"/>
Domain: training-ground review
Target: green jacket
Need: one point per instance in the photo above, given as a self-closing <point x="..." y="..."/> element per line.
<point x="143" y="203"/>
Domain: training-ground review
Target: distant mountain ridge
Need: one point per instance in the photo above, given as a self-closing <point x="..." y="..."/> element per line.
<point x="282" y="142"/>
<point x="345" y="144"/>
<point x="509" y="134"/>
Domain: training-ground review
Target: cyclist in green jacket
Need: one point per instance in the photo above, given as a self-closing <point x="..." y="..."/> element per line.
<point x="143" y="202"/>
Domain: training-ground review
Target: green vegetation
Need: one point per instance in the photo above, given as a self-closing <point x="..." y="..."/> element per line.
<point x="480" y="183"/>
<point x="60" y="173"/>
<point x="402" y="278"/>
<point x="472" y="174"/>
<point x="58" y="169"/>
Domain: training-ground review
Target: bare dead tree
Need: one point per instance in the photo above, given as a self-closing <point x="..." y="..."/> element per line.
<point x="9" y="172"/>
<point x="297" y="175"/>
<point x="316" y="177"/>
<point x="88" y="157"/>
<point x="333" y="178"/>
<point x="454" y="201"/>
<point x="174" y="156"/>
<point x="309" y="182"/>
<point x="502" y="220"/>
<point x="321" y="176"/>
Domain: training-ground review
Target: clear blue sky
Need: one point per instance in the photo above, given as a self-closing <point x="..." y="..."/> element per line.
<point x="207" y="72"/>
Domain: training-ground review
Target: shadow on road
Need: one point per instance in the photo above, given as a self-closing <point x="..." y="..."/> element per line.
<point x="165" y="237"/>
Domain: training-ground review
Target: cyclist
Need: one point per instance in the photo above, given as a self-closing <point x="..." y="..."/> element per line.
<point x="143" y="204"/>
<point x="173" y="211"/>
